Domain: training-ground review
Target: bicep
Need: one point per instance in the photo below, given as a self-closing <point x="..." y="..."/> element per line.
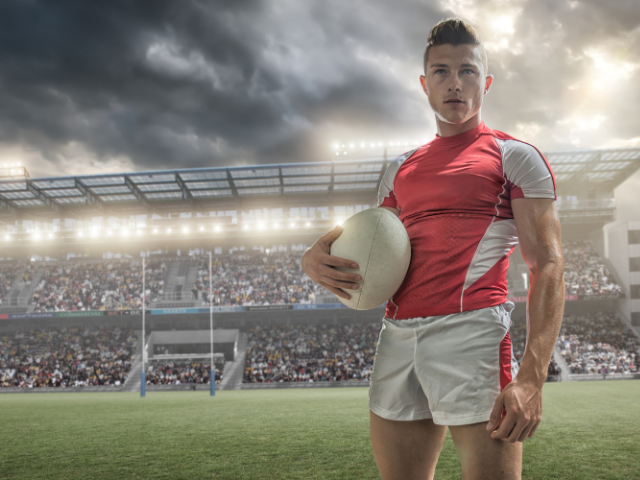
<point x="538" y="226"/>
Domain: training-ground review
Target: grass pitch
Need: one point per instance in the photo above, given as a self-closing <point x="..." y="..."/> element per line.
<point x="590" y="430"/>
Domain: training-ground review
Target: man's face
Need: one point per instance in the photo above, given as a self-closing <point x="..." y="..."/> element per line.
<point x="455" y="82"/>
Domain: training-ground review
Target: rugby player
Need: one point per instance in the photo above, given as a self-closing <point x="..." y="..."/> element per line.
<point x="444" y="357"/>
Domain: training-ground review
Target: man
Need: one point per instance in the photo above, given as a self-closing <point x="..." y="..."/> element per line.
<point x="444" y="353"/>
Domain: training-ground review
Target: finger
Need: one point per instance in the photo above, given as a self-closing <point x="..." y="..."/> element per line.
<point x="496" y="413"/>
<point x="338" y="262"/>
<point x="339" y="274"/>
<point x="517" y="430"/>
<point x="508" y="422"/>
<point x="338" y="284"/>
<point x="331" y="236"/>
<point x="533" y="430"/>
<point x="337" y="291"/>
<point x="525" y="432"/>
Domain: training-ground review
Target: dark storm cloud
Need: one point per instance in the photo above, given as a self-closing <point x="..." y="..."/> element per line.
<point x="167" y="84"/>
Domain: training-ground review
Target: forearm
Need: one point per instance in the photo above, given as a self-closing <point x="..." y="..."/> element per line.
<point x="545" y="307"/>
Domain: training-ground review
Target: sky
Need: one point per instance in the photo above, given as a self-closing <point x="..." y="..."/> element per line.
<point x="114" y="86"/>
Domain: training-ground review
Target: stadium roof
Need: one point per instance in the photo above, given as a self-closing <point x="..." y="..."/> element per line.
<point x="277" y="185"/>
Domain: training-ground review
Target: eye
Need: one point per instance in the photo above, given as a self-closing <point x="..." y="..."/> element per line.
<point x="468" y="71"/>
<point x="440" y="71"/>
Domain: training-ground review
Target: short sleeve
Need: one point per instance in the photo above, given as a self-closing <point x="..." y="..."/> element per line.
<point x="527" y="172"/>
<point x="386" y="194"/>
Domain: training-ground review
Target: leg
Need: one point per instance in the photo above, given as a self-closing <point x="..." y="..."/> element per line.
<point x="406" y="450"/>
<point x="485" y="458"/>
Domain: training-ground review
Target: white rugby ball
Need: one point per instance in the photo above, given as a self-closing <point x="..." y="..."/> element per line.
<point x="378" y="242"/>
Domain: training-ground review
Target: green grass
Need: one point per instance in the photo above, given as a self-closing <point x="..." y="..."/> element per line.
<point x="590" y="430"/>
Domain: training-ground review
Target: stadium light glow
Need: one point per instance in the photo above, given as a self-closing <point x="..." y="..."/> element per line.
<point x="339" y="221"/>
<point x="125" y="232"/>
<point x="201" y="229"/>
<point x="109" y="233"/>
<point x="217" y="228"/>
<point x="185" y="230"/>
<point x="277" y="225"/>
<point x="292" y="225"/>
<point x="138" y="232"/>
<point x="80" y="234"/>
<point x="308" y="224"/>
<point x="155" y="230"/>
<point x="36" y="236"/>
<point x="168" y="230"/>
<point x="260" y="226"/>
<point x="7" y="238"/>
<point x="50" y="235"/>
<point x="246" y="227"/>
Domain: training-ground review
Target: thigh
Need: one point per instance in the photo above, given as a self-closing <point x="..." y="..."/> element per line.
<point x="482" y="457"/>
<point x="406" y="450"/>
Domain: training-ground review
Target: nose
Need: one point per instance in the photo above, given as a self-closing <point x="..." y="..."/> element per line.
<point x="455" y="85"/>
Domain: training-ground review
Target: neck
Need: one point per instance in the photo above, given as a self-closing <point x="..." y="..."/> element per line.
<point x="450" y="129"/>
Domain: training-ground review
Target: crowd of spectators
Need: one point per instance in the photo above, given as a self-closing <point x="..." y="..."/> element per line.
<point x="182" y="371"/>
<point x="255" y="278"/>
<point x="107" y="285"/>
<point x="12" y="272"/>
<point x="598" y="343"/>
<point x="584" y="272"/>
<point x="312" y="353"/>
<point x="73" y="357"/>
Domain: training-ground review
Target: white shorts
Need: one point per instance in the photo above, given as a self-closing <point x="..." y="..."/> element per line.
<point x="450" y="368"/>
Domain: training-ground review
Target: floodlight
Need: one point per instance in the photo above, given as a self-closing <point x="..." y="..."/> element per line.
<point x="308" y="224"/>
<point x="36" y="236"/>
<point x="202" y="229"/>
<point x="139" y="232"/>
<point x="292" y="225"/>
<point x="155" y="230"/>
<point x="7" y="238"/>
<point x="80" y="234"/>
<point x="125" y="232"/>
<point x="168" y="230"/>
<point x="50" y="235"/>
<point x="246" y="227"/>
<point x="218" y="229"/>
<point x="277" y="225"/>
<point x="260" y="226"/>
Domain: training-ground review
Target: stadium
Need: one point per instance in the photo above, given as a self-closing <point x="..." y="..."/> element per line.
<point x="72" y="279"/>
<point x="168" y="168"/>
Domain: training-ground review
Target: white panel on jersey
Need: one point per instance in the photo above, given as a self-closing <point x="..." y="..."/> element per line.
<point x="525" y="168"/>
<point x="386" y="184"/>
<point x="498" y="240"/>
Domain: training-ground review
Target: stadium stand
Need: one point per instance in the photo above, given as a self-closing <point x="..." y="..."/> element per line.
<point x="598" y="343"/>
<point x="97" y="285"/>
<point x="584" y="271"/>
<point x="176" y="372"/>
<point x="255" y="278"/>
<point x="312" y="353"/>
<point x="73" y="357"/>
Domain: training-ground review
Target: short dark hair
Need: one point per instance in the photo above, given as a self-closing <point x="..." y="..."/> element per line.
<point x="454" y="31"/>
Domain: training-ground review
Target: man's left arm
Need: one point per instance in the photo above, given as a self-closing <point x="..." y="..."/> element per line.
<point x="538" y="227"/>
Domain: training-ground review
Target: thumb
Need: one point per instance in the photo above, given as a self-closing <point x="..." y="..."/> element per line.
<point x="333" y="234"/>
<point x="496" y="413"/>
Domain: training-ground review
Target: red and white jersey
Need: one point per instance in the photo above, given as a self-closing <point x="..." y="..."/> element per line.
<point x="454" y="195"/>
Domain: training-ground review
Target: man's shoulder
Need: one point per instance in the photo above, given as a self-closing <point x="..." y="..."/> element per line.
<point x="515" y="144"/>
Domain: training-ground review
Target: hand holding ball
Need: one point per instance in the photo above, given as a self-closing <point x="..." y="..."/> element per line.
<point x="377" y="241"/>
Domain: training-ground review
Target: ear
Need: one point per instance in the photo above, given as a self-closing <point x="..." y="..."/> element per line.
<point x="487" y="83"/>
<point x="423" y="82"/>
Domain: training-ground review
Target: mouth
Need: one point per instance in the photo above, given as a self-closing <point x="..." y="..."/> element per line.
<point x="453" y="101"/>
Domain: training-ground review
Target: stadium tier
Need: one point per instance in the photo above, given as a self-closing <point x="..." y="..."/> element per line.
<point x="598" y="343"/>
<point x="182" y="372"/>
<point x="238" y="279"/>
<point x="313" y="353"/>
<point x="74" y="357"/>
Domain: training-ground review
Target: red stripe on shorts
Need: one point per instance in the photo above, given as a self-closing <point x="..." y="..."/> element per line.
<point x="505" y="361"/>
